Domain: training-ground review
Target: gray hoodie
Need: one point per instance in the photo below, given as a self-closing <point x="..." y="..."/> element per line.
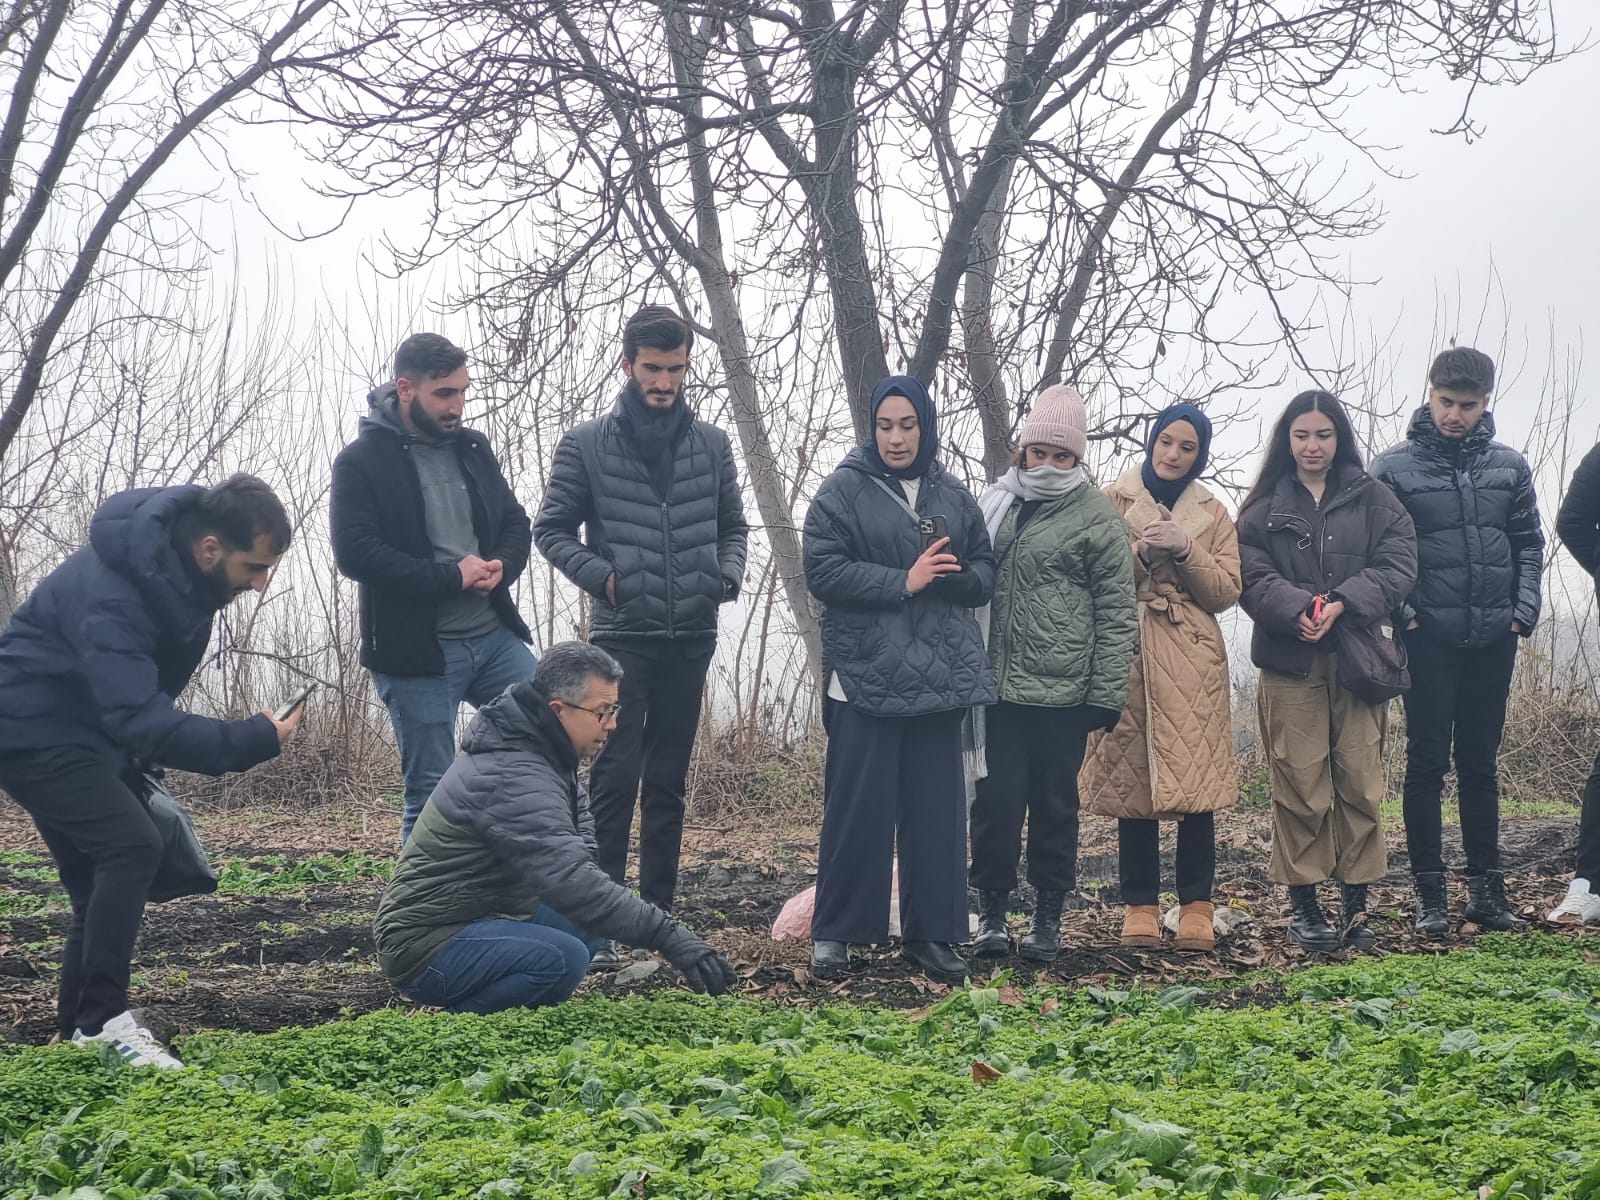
<point x="447" y="509"/>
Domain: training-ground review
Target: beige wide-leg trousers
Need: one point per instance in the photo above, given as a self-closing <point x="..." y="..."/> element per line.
<point x="1325" y="750"/>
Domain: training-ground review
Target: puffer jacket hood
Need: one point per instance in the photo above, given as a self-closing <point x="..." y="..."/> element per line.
<point x="132" y="534"/>
<point x="1479" y="544"/>
<point x="520" y="718"/>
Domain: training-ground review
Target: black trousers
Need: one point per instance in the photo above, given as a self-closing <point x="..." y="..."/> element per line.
<point x="107" y="851"/>
<point x="660" y="697"/>
<point x="1139" y="859"/>
<point x="892" y="782"/>
<point x="1457" y="702"/>
<point x="1034" y="754"/>
<point x="1588" y="866"/>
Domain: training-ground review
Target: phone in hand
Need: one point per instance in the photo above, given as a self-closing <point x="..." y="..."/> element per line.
<point x="285" y="709"/>
<point x="1318" y="603"/>
<point x="932" y="529"/>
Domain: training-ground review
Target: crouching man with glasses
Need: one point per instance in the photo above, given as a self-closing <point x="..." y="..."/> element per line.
<point x="497" y="901"/>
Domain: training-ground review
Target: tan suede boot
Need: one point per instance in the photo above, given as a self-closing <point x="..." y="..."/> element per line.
<point x="1195" y="931"/>
<point x="1141" y="925"/>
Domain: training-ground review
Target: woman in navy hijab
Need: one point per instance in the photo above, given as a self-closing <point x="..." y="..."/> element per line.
<point x="897" y="554"/>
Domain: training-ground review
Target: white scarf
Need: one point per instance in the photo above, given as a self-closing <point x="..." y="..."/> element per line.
<point x="1041" y="483"/>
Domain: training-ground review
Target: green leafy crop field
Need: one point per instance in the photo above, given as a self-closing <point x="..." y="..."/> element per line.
<point x="1459" y="1075"/>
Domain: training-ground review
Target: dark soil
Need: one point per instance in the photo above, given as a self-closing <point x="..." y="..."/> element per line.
<point x="263" y="962"/>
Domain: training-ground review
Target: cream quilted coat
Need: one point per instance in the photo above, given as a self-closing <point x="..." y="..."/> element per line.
<point x="1172" y="752"/>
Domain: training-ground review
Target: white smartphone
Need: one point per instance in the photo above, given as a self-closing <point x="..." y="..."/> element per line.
<point x="294" y="701"/>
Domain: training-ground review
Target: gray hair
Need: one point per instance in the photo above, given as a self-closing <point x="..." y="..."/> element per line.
<point x="566" y="668"/>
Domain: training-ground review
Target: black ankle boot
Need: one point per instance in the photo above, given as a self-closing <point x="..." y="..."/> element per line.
<point x="935" y="959"/>
<point x="605" y="956"/>
<point x="1433" y="910"/>
<point x="1308" y="926"/>
<point x="994" y="935"/>
<point x="1043" y="942"/>
<point x="830" y="960"/>
<point x="1487" y="904"/>
<point x="1357" y="934"/>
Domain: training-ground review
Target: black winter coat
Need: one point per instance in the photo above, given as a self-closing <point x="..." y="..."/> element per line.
<point x="1360" y="543"/>
<point x="1480" y="550"/>
<point x="97" y="653"/>
<point x="676" y="557"/>
<point x="897" y="657"/>
<point x="507" y="830"/>
<point x="380" y="539"/>
<point x="1578" y="521"/>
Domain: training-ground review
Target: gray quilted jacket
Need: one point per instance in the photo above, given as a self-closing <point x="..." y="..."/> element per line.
<point x="506" y="830"/>
<point x="897" y="657"/>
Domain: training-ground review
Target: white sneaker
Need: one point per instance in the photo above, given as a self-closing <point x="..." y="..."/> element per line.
<point x="136" y="1044"/>
<point x="1580" y="905"/>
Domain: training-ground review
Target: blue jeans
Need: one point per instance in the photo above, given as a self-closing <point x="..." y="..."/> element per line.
<point x="500" y="963"/>
<point x="423" y="708"/>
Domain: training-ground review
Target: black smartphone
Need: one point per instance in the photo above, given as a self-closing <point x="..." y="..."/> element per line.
<point x="932" y="529"/>
<point x="294" y="702"/>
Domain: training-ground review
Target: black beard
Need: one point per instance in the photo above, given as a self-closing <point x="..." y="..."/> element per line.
<point x="221" y="590"/>
<point x="634" y="390"/>
<point x="427" y="426"/>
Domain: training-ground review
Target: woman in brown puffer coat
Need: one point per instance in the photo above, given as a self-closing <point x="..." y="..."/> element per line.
<point x="1171" y="755"/>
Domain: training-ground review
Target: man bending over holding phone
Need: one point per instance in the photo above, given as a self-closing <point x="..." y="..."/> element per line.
<point x="89" y="668"/>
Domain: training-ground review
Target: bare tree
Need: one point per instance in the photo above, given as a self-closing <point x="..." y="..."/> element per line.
<point x="102" y="94"/>
<point x="1048" y="188"/>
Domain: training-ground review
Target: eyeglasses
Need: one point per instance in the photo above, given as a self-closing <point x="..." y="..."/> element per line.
<point x="603" y="714"/>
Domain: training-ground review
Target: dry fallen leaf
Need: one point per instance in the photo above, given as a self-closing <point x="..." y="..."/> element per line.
<point x="639" y="1189"/>
<point x="1010" y="995"/>
<point x="921" y="1014"/>
<point x="983" y="1073"/>
<point x="1050" y="1005"/>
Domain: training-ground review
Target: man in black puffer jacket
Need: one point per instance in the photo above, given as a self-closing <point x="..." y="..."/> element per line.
<point x="657" y="494"/>
<point x="1480" y="552"/>
<point x="497" y="898"/>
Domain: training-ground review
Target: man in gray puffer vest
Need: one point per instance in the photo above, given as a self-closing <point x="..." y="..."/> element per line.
<point x="497" y="898"/>
<point x="1480" y="554"/>
<point x="657" y="494"/>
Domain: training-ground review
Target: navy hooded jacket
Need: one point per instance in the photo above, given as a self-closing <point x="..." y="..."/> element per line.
<point x="97" y="653"/>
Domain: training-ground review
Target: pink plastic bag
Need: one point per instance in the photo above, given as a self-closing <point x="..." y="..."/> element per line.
<point x="794" y="922"/>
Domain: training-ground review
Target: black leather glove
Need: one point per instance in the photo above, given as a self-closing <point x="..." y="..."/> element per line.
<point x="1096" y="717"/>
<point x="702" y="967"/>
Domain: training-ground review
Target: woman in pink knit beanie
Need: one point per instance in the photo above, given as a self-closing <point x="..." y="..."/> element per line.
<point x="1062" y="628"/>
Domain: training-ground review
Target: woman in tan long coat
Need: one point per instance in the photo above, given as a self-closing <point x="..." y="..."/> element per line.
<point x="1170" y="757"/>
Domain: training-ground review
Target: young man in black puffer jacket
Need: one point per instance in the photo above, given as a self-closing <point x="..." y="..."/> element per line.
<point x="1480" y="557"/>
<point x="656" y="493"/>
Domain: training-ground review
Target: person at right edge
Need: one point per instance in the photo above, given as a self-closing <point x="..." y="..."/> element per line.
<point x="1578" y="527"/>
<point x="1321" y="542"/>
<point x="1480" y="556"/>
<point x="902" y="658"/>
<point x="656" y="491"/>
